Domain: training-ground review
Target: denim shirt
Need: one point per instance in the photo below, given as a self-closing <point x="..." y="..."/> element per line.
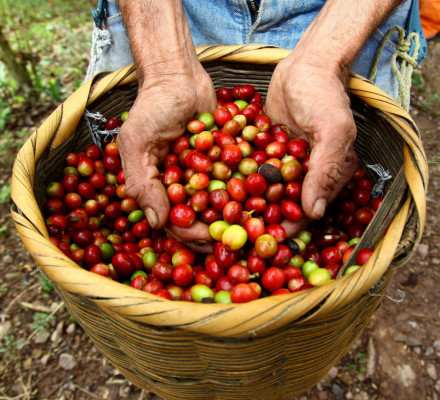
<point x="277" y="22"/>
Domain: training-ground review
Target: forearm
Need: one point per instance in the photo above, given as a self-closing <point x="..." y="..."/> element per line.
<point x="160" y="38"/>
<point x="339" y="32"/>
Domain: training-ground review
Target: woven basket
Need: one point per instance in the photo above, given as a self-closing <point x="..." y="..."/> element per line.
<point x="274" y="347"/>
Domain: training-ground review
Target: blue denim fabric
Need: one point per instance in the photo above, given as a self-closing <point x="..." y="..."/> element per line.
<point x="118" y="54"/>
<point x="279" y="22"/>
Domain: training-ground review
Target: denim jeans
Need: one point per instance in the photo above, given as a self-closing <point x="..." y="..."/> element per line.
<point x="278" y="22"/>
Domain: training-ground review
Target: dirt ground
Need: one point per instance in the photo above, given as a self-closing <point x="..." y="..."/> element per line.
<point x="46" y="355"/>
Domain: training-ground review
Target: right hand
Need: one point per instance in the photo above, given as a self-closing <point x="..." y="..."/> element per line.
<point x="163" y="107"/>
<point x="313" y="103"/>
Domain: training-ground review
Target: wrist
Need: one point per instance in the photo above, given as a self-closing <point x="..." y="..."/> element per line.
<point x="182" y="78"/>
<point x="160" y="38"/>
<point x="338" y="33"/>
<point x="309" y="61"/>
<point x="305" y="62"/>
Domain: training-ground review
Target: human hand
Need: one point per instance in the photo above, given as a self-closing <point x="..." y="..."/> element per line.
<point x="196" y="237"/>
<point x="311" y="100"/>
<point x="307" y="93"/>
<point x="164" y="105"/>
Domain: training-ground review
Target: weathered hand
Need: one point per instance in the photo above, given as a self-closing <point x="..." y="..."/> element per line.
<point x="313" y="103"/>
<point x="196" y="237"/>
<point x="293" y="228"/>
<point x="159" y="115"/>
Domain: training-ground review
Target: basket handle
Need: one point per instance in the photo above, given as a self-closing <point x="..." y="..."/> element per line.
<point x="415" y="161"/>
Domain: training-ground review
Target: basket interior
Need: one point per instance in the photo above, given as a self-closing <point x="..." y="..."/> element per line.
<point x="377" y="141"/>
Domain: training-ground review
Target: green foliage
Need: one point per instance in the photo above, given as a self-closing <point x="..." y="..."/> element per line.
<point x="360" y="363"/>
<point x="3" y="144"/>
<point x="434" y="161"/>
<point x="5" y="194"/>
<point x="435" y="98"/>
<point x="432" y="102"/>
<point x="10" y="144"/>
<point x="52" y="38"/>
<point x="4" y="115"/>
<point x="22" y="133"/>
<point x="40" y="320"/>
<point x="7" y="144"/>
<point x="9" y="349"/>
<point x="4" y="231"/>
<point x="417" y="80"/>
<point x="46" y="286"/>
<point x="52" y="88"/>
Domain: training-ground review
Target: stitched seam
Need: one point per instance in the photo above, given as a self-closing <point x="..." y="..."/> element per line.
<point x="245" y="18"/>
<point x="257" y="21"/>
<point x="111" y="21"/>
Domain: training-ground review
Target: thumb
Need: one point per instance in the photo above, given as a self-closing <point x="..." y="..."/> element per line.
<point x="150" y="194"/>
<point x="330" y="167"/>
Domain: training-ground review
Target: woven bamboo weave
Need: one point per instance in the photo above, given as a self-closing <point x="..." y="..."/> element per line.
<point x="274" y="347"/>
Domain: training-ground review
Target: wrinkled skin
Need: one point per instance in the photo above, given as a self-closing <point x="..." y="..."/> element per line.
<point x="159" y="116"/>
<point x="313" y="103"/>
<point x="164" y="107"/>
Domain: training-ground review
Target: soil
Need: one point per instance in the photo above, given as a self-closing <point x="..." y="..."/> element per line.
<point x="46" y="355"/>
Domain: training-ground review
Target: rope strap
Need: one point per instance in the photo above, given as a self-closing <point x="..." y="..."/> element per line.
<point x="384" y="175"/>
<point x="94" y="121"/>
<point x="101" y="38"/>
<point x="407" y="62"/>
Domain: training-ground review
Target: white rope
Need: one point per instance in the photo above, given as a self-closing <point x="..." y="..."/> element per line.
<point x="94" y="121"/>
<point x="400" y="292"/>
<point x="100" y="39"/>
<point x="377" y="190"/>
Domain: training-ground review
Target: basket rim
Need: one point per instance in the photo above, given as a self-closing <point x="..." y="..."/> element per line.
<point x="260" y="316"/>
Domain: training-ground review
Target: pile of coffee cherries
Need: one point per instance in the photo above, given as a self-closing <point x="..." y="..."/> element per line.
<point x="235" y="172"/>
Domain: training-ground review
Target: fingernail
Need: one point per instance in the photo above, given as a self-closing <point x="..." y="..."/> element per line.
<point x="319" y="207"/>
<point x="152" y="217"/>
